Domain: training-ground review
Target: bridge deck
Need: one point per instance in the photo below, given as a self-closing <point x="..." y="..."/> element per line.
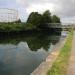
<point x="57" y="25"/>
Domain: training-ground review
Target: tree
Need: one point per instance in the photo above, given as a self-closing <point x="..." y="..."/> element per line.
<point x="55" y="19"/>
<point x="34" y="18"/>
<point x="40" y="21"/>
<point x="46" y="17"/>
<point x="18" y="21"/>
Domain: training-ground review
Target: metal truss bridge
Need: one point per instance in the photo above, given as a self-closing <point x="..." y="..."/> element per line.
<point x="63" y="26"/>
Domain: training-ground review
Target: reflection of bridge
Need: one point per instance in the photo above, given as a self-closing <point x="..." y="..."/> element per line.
<point x="63" y="26"/>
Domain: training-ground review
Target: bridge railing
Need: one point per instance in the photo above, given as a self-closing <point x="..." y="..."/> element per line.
<point x="58" y="25"/>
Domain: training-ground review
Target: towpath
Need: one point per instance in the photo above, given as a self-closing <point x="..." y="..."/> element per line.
<point x="71" y="67"/>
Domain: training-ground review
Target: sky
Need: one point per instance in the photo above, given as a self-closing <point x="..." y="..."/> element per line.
<point x="62" y="8"/>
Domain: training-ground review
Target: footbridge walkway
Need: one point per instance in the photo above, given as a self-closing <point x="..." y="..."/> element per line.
<point x="63" y="26"/>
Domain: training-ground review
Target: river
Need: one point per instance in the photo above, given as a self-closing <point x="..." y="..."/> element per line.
<point x="22" y="54"/>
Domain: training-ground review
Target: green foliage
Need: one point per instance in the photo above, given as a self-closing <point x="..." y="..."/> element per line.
<point x="41" y="20"/>
<point x="34" y="18"/>
<point x="37" y="19"/>
<point x="29" y="26"/>
<point x="19" y="21"/>
<point x="7" y="27"/>
<point x="46" y="17"/>
<point x="60" y="65"/>
<point x="55" y="19"/>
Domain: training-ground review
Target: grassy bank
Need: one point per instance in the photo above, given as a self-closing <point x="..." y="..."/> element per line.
<point x="8" y="27"/>
<point x="19" y="27"/>
<point x="61" y="63"/>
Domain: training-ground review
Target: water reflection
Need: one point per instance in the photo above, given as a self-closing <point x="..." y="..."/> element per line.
<point x="20" y="55"/>
<point x="35" y="41"/>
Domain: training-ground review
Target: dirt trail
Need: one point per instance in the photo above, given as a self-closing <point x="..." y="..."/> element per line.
<point x="71" y="67"/>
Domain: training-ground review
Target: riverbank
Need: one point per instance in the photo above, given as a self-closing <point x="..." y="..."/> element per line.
<point x="61" y="63"/>
<point x="71" y="66"/>
<point x="25" y="27"/>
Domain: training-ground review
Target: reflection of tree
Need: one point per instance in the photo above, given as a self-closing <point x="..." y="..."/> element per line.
<point x="35" y="41"/>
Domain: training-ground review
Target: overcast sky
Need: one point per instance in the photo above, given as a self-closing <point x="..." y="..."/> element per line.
<point x="65" y="9"/>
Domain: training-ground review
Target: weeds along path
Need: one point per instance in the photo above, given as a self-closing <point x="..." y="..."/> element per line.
<point x="60" y="65"/>
<point x="71" y="67"/>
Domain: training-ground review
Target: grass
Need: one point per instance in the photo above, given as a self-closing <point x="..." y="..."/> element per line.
<point x="8" y="27"/>
<point x="61" y="63"/>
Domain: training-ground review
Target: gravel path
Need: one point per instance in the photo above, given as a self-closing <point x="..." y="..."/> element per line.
<point x="71" y="67"/>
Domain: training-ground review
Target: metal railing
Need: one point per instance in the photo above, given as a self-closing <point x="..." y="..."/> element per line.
<point x="58" y="25"/>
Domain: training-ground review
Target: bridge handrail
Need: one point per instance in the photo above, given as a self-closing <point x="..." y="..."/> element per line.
<point x="58" y="25"/>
